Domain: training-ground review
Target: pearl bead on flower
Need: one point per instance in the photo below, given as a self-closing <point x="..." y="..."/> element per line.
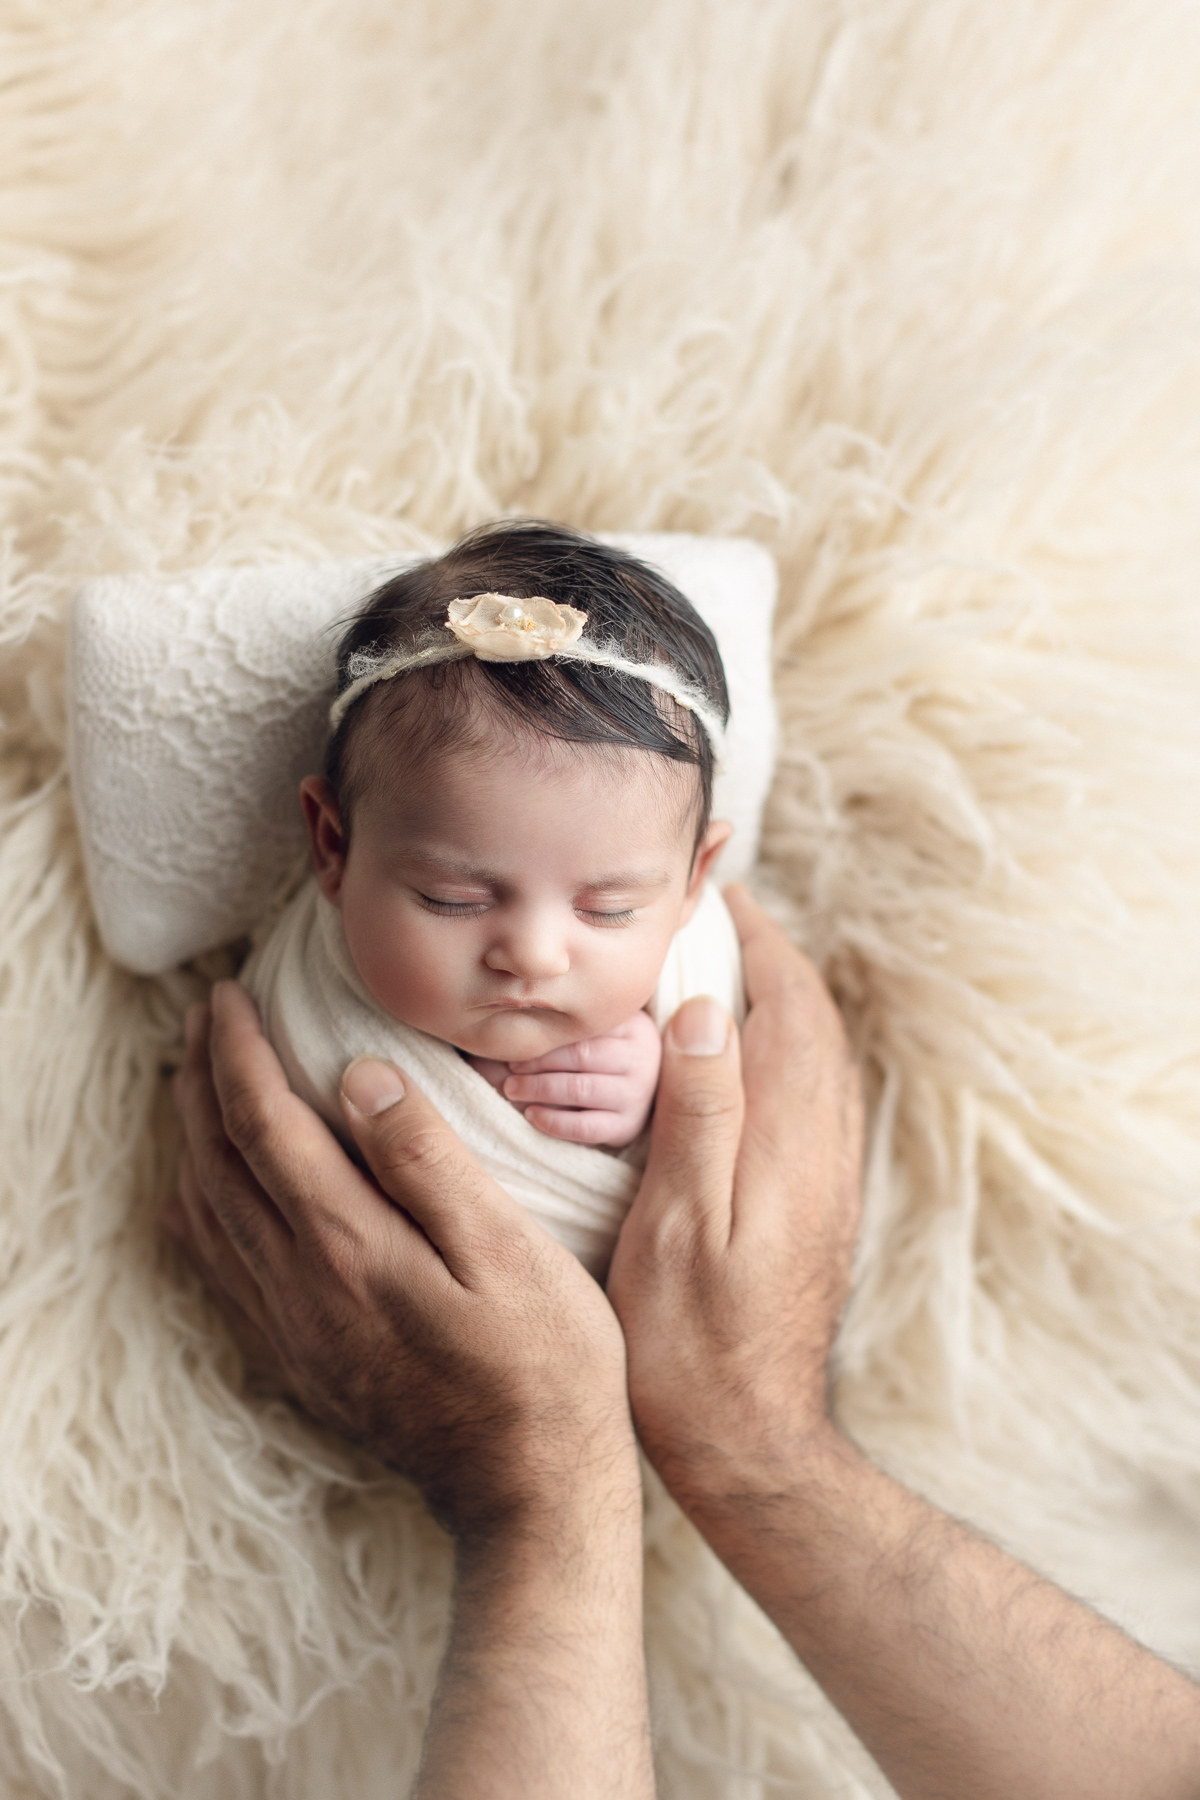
<point x="499" y="628"/>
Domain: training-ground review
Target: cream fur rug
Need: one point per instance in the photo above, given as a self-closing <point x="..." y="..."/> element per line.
<point x="899" y="287"/>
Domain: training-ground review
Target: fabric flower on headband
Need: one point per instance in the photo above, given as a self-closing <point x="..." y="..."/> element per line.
<point x="497" y="628"/>
<point x="502" y="628"/>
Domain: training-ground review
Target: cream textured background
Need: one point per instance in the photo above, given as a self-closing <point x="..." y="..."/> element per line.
<point x="907" y="290"/>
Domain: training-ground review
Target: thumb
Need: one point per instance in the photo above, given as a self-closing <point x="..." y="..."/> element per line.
<point x="697" y="1121"/>
<point x="422" y="1164"/>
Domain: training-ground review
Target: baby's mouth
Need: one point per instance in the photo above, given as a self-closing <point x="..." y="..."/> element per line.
<point x="517" y="1006"/>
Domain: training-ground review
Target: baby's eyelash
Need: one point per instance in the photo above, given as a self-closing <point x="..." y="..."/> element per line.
<point x="610" y="918"/>
<point x="471" y="909"/>
<point x="453" y="909"/>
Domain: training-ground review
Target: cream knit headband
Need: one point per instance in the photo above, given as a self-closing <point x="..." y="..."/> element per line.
<point x="497" y="628"/>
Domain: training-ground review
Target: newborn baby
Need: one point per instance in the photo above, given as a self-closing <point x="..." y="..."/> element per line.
<point x="511" y="843"/>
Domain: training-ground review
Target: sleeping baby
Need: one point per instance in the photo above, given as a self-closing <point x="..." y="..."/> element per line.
<point x="511" y="845"/>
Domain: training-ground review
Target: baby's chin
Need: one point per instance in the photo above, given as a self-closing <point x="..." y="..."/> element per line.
<point x="521" y="1036"/>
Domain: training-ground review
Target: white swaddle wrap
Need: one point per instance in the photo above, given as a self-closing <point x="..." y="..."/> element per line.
<point x="318" y="1015"/>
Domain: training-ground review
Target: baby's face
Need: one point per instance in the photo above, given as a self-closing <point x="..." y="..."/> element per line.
<point x="515" y="899"/>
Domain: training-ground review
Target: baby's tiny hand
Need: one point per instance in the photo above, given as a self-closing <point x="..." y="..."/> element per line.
<point x="599" y="1091"/>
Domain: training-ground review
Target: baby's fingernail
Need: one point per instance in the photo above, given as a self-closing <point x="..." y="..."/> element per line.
<point x="700" y="1027"/>
<point x="372" y="1086"/>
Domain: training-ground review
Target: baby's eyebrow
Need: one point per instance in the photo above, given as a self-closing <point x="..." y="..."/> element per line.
<point x="458" y="869"/>
<point x="633" y="878"/>
<point x="454" y="866"/>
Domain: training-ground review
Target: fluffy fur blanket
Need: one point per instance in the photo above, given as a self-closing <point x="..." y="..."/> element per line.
<point x="899" y="287"/>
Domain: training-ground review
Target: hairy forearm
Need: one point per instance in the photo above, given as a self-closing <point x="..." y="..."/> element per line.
<point x="966" y="1675"/>
<point x="542" y="1690"/>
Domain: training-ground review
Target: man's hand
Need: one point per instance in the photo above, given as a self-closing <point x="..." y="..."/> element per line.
<point x="599" y="1091"/>
<point x="733" y="1265"/>
<point x="961" y="1671"/>
<point x="427" y="1317"/>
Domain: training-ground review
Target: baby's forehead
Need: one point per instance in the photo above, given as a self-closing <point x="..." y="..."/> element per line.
<point x="394" y="754"/>
<point x="504" y="777"/>
<point x="426" y="727"/>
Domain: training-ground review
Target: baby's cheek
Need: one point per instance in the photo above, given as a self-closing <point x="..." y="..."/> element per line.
<point x="625" y="986"/>
<point x="403" y="970"/>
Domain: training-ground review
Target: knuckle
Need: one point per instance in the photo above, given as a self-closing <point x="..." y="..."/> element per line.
<point x="339" y="1250"/>
<point x="707" y="1103"/>
<point x="223" y="1181"/>
<point x="673" y="1241"/>
<point x="248" y="1118"/>
<point x="215" y="1171"/>
<point x="228" y="1204"/>
<point x="423" y="1150"/>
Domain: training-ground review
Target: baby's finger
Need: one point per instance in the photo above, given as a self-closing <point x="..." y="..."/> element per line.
<point x="608" y="1093"/>
<point x="610" y="1055"/>
<point x="581" y="1127"/>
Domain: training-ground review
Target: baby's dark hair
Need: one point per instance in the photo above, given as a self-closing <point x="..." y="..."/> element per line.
<point x="630" y="608"/>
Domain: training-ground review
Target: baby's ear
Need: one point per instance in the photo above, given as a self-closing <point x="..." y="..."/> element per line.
<point x="707" y="852"/>
<point x="318" y="802"/>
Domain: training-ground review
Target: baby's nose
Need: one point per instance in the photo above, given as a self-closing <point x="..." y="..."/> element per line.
<point x="533" y="955"/>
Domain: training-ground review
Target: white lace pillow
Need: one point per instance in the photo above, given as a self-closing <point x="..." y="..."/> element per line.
<point x="196" y="702"/>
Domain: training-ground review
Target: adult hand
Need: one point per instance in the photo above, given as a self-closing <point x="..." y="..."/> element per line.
<point x="426" y="1317"/>
<point x="429" y="1318"/>
<point x="960" y="1670"/>
<point x="733" y="1265"/>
